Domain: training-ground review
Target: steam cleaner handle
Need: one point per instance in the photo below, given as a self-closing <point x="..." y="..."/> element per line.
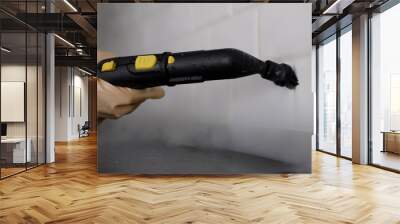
<point x="171" y="69"/>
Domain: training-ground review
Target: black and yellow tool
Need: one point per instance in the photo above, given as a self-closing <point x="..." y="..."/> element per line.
<point x="171" y="69"/>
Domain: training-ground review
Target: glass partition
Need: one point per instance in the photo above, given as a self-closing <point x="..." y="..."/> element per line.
<point x="31" y="99"/>
<point x="22" y="78"/>
<point x="327" y="96"/>
<point x="41" y="97"/>
<point x="346" y="93"/>
<point x="334" y="104"/>
<point x="32" y="83"/>
<point x="385" y="89"/>
<point x="14" y="153"/>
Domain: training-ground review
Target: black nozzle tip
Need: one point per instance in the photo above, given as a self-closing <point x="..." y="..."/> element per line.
<point x="281" y="74"/>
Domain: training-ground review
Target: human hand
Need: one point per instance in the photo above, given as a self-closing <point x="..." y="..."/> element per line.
<point x="114" y="102"/>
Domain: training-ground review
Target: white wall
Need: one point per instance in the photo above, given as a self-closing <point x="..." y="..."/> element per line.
<point x="249" y="114"/>
<point x="14" y="73"/>
<point x="33" y="126"/>
<point x="61" y="103"/>
<point x="17" y="73"/>
<point x="80" y="97"/>
<point x="314" y="89"/>
<point x="13" y="101"/>
<point x="69" y="82"/>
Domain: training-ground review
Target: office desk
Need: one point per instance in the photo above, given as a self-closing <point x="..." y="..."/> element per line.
<point x="13" y="150"/>
<point x="391" y="141"/>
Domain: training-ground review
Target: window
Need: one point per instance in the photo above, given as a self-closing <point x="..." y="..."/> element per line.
<point x="394" y="102"/>
<point x="346" y="93"/>
<point x="385" y="89"/>
<point x="333" y="137"/>
<point x="327" y="96"/>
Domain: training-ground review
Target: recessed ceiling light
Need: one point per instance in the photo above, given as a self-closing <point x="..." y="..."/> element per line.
<point x="328" y="10"/>
<point x="84" y="71"/>
<point x="337" y="7"/>
<point x="70" y="5"/>
<point x="64" y="40"/>
<point x="5" y="50"/>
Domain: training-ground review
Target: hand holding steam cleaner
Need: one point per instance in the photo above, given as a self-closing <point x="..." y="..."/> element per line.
<point x="147" y="71"/>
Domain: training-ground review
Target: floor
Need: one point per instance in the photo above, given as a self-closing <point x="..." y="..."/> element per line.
<point x="10" y="171"/>
<point x="386" y="159"/>
<point x="71" y="191"/>
<point x="5" y="172"/>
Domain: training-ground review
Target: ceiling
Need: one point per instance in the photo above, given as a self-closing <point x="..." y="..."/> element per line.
<point x="76" y="21"/>
<point x="68" y="22"/>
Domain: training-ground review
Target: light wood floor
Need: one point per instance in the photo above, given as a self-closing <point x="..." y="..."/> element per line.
<point x="10" y="171"/>
<point x="70" y="191"/>
<point x="387" y="159"/>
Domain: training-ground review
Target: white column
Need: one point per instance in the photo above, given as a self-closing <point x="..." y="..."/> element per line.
<point x="314" y="90"/>
<point x="50" y="93"/>
<point x="62" y="103"/>
<point x="360" y="90"/>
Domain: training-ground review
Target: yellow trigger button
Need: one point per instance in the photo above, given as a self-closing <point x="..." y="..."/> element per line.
<point x="145" y="62"/>
<point x="171" y="59"/>
<point x="108" y="66"/>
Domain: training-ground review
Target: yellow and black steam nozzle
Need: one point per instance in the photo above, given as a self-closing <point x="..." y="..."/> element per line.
<point x="144" y="71"/>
